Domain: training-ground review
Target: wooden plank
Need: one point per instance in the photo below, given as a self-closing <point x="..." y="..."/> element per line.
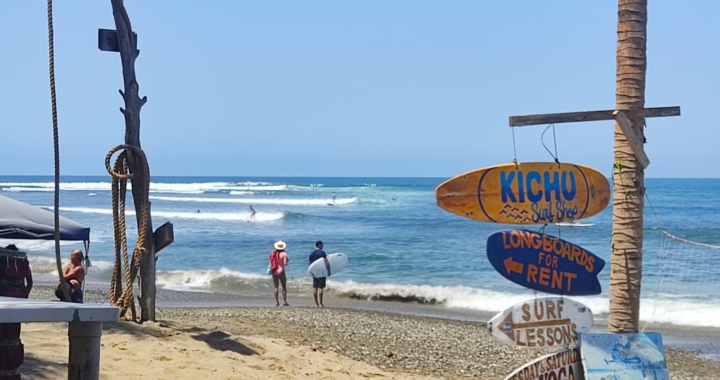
<point x="633" y="138"/>
<point x="163" y="237"/>
<point x="17" y="310"/>
<point x="574" y="117"/>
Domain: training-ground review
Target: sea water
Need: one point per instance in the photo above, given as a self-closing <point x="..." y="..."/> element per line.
<point x="401" y="246"/>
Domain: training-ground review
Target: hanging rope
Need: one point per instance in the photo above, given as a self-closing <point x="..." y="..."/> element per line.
<point x="56" y="143"/>
<point x="140" y="177"/>
<point x="542" y="140"/>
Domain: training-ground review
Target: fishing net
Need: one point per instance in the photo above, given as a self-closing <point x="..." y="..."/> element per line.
<point x="688" y="282"/>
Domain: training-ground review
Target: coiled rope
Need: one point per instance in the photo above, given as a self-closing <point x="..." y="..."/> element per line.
<point x="140" y="177"/>
<point x="56" y="143"/>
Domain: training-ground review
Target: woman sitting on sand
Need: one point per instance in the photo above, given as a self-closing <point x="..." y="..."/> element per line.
<point x="278" y="262"/>
<point x="74" y="274"/>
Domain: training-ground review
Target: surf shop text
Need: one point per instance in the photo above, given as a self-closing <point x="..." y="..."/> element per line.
<point x="560" y="366"/>
<point x="551" y="249"/>
<point x="544" y="326"/>
<point x="549" y="193"/>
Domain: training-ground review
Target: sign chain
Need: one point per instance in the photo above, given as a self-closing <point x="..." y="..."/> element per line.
<point x="514" y="147"/>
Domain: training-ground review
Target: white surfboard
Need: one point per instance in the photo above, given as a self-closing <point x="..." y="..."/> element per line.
<point x="335" y="263"/>
<point x="542" y="323"/>
<point x="574" y="224"/>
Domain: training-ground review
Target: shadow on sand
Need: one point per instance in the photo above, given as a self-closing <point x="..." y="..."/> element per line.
<point x="217" y="340"/>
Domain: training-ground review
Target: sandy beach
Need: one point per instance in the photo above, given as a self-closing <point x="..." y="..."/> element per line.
<point x="299" y="342"/>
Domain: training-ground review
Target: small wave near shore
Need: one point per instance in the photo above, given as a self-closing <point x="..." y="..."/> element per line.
<point x="226" y="281"/>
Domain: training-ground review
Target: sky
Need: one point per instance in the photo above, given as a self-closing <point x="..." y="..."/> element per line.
<point x="352" y="88"/>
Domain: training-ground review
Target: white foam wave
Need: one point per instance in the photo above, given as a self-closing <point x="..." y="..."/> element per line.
<point x="224" y="216"/>
<point x="204" y="280"/>
<point x="40" y="245"/>
<point x="46" y="265"/>
<point x="155" y="187"/>
<point x="259" y="201"/>
<point x="241" y="192"/>
<point x="19" y="189"/>
<point x="682" y="311"/>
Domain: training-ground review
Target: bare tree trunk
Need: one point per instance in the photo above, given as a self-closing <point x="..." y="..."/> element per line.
<point x="628" y="175"/>
<point x="133" y="105"/>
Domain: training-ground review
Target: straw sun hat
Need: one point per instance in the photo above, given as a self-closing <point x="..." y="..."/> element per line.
<point x="280" y="245"/>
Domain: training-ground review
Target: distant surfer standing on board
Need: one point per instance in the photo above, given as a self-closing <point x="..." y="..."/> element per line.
<point x="318" y="283"/>
<point x="333" y="197"/>
<point x="252" y="214"/>
<point x="278" y="261"/>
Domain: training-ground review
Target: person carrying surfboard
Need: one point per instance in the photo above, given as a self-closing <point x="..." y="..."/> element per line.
<point x="278" y="261"/>
<point x="318" y="283"/>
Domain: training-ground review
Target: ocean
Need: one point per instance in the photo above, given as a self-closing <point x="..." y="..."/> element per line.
<point x="401" y="246"/>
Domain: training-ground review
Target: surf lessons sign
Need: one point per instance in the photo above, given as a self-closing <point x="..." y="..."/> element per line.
<point x="562" y="365"/>
<point x="530" y="193"/>
<point x="542" y="323"/>
<point x="544" y="263"/>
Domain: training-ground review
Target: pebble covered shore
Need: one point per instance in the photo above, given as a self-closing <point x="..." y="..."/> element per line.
<point x="444" y="348"/>
<point x="432" y="346"/>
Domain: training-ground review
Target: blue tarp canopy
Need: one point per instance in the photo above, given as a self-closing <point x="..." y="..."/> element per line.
<point x="20" y="220"/>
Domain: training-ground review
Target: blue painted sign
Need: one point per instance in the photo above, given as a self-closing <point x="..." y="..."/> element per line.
<point x="623" y="356"/>
<point x="544" y="263"/>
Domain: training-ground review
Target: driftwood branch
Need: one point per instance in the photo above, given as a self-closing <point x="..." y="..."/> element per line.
<point x="133" y="105"/>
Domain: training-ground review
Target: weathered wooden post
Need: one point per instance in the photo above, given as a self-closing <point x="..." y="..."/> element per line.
<point x="126" y="43"/>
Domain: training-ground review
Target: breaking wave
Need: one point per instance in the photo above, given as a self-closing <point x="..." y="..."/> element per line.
<point x="225" y="216"/>
<point x="676" y="310"/>
<point x="155" y="187"/>
<point x="259" y="201"/>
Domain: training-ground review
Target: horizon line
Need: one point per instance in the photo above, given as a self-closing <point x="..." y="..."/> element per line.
<point x="280" y="176"/>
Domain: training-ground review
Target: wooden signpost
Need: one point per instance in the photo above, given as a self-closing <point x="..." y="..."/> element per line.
<point x="526" y="193"/>
<point x="542" y="323"/>
<point x="562" y="365"/>
<point x="544" y="263"/>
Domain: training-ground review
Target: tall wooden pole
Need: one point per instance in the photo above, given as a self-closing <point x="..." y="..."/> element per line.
<point x="628" y="174"/>
<point x="133" y="105"/>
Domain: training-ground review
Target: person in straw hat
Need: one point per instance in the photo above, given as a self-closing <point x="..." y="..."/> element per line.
<point x="278" y="261"/>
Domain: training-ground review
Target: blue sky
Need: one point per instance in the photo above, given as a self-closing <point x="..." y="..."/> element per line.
<point x="351" y="88"/>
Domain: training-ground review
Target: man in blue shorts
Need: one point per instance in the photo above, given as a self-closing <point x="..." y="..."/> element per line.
<point x="318" y="283"/>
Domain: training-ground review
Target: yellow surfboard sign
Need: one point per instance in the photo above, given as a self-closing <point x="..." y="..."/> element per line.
<point x="528" y="193"/>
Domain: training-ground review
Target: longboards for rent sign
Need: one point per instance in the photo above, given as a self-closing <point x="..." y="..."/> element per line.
<point x="544" y="263"/>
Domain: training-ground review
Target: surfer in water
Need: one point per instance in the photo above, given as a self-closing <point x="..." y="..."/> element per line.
<point x="333" y="198"/>
<point x="252" y="214"/>
<point x="278" y="261"/>
<point x="318" y="283"/>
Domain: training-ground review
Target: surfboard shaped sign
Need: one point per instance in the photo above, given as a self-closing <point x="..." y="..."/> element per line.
<point x="542" y="323"/>
<point x="529" y="193"/>
<point x="562" y="365"/>
<point x="544" y="263"/>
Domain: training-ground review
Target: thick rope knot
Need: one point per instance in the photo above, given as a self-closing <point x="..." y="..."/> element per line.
<point x="123" y="157"/>
<point x="131" y="164"/>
